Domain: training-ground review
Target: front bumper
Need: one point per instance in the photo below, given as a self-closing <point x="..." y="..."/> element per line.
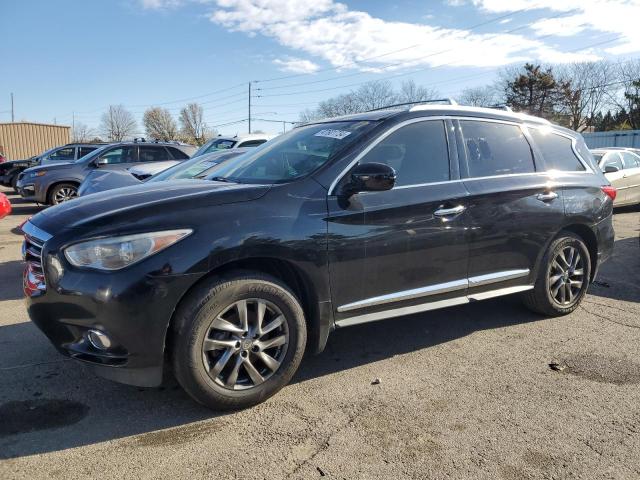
<point x="133" y="307"/>
<point x="30" y="189"/>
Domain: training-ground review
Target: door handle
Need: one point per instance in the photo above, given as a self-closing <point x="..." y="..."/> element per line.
<point x="547" y="196"/>
<point x="449" y="212"/>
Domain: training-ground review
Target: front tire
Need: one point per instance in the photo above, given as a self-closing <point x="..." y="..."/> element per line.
<point x="563" y="277"/>
<point x="238" y="340"/>
<point x="63" y="192"/>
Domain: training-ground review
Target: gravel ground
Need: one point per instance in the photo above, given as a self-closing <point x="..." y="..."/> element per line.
<point x="464" y="393"/>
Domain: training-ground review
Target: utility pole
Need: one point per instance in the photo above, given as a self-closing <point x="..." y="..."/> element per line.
<point x="249" y="107"/>
<point x="12" y="115"/>
<point x="73" y="123"/>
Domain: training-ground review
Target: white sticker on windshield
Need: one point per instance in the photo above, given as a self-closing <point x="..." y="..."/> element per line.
<point x="330" y="133"/>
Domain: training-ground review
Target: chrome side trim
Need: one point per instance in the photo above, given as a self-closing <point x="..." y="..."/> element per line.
<point x="406" y="295"/>
<point x="35" y="232"/>
<point x="500" y="292"/>
<point x="398" y="312"/>
<point x="497" y="277"/>
<point x="424" y="307"/>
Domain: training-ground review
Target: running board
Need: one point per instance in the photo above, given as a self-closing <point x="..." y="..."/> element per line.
<point x="424" y="307"/>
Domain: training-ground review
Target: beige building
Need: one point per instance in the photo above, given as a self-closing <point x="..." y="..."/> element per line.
<point x="24" y="139"/>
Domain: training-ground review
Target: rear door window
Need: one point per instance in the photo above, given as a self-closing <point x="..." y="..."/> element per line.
<point x="418" y="152"/>
<point x="63" y="155"/>
<point x="177" y="154"/>
<point x="557" y="151"/>
<point x="85" y="150"/>
<point x="251" y="143"/>
<point x="495" y="149"/>
<point x="153" y="154"/>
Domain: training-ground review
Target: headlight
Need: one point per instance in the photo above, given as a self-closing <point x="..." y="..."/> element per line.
<point x="39" y="173"/>
<point x="119" y="252"/>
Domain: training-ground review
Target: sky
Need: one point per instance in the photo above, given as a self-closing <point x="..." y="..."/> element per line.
<point x="67" y="60"/>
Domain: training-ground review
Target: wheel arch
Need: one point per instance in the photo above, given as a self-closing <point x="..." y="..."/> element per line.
<point x="55" y="184"/>
<point x="285" y="271"/>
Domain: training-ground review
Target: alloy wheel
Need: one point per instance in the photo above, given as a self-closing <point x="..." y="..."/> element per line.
<point x="64" y="194"/>
<point x="245" y="344"/>
<point x="566" y="276"/>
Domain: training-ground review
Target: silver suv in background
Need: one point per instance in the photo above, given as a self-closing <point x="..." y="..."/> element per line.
<point x="225" y="143"/>
<point x="57" y="183"/>
<point x="621" y="166"/>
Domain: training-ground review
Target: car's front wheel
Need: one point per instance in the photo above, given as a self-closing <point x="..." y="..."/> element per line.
<point x="563" y="277"/>
<point x="63" y="192"/>
<point x="237" y="340"/>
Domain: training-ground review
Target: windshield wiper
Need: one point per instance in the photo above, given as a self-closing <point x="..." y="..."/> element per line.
<point x="221" y="179"/>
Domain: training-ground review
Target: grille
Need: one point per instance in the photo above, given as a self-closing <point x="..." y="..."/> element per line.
<point x="34" y="278"/>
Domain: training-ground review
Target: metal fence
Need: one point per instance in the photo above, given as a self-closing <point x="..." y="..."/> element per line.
<point x="621" y="138"/>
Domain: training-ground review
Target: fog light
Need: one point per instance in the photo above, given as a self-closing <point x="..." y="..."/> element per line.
<point x="99" y="339"/>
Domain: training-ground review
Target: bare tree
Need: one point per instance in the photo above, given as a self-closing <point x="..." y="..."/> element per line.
<point x="628" y="74"/>
<point x="160" y="125"/>
<point x="486" y="96"/>
<point x="374" y="95"/>
<point x="585" y="91"/>
<point x="82" y="133"/>
<point x="118" y="123"/>
<point x="192" y="123"/>
<point x="411" y="92"/>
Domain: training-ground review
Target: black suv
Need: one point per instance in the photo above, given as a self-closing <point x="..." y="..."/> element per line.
<point x="56" y="183"/>
<point x="335" y="223"/>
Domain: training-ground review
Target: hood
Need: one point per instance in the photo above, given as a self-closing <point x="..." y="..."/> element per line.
<point x="138" y="204"/>
<point x="100" y="180"/>
<point x="51" y="166"/>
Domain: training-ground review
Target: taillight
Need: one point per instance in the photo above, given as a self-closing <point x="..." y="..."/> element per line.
<point x="610" y="191"/>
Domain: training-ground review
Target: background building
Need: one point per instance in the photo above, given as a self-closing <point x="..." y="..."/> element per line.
<point x="24" y="139"/>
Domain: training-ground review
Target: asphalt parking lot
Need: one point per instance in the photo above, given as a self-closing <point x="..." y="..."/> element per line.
<point x="466" y="392"/>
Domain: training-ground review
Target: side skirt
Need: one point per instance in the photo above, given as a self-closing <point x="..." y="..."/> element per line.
<point x="424" y="307"/>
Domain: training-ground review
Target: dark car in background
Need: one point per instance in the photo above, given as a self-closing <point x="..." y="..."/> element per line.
<point x="57" y="183"/>
<point x="336" y="223"/>
<point x="197" y="167"/>
<point x="10" y="171"/>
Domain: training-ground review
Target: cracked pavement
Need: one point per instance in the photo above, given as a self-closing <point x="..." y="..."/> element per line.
<point x="465" y="392"/>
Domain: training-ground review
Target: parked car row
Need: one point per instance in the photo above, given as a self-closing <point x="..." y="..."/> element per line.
<point x="231" y="276"/>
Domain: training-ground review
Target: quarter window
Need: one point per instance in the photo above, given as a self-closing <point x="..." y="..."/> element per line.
<point x="251" y="143"/>
<point x="557" y="151"/>
<point x="177" y="154"/>
<point x="495" y="149"/>
<point x="417" y="152"/>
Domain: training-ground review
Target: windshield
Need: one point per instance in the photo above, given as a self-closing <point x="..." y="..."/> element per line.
<point x="195" y="167"/>
<point x="214" y="145"/>
<point x="293" y="155"/>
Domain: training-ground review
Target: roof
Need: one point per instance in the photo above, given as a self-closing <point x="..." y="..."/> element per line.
<point x="35" y="123"/>
<point x="434" y="110"/>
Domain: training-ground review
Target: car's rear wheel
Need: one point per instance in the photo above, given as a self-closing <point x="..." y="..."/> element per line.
<point x="63" y="192"/>
<point x="237" y="340"/>
<point x="563" y="277"/>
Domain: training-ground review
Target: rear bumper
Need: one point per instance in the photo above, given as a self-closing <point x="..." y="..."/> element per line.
<point x="605" y="235"/>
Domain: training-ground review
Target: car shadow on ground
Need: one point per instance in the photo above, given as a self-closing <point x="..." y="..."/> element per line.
<point x="49" y="403"/>
<point x="618" y="277"/>
<point x="66" y="406"/>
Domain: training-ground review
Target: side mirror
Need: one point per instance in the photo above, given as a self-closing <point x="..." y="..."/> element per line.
<point x="371" y="177"/>
<point x="101" y="161"/>
<point x="611" y="169"/>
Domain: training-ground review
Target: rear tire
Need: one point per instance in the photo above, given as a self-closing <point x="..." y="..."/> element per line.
<point x="563" y="277"/>
<point x="63" y="192"/>
<point x="221" y="354"/>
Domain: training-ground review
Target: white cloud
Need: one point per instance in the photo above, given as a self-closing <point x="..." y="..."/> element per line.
<point x="296" y="65"/>
<point x="160" y="4"/>
<point x="331" y="31"/>
<point x="610" y="16"/>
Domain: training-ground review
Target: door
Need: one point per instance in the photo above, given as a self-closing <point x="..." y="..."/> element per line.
<point x="119" y="158"/>
<point x="405" y="246"/>
<point x="631" y="177"/>
<point x="514" y="209"/>
<point x="613" y="159"/>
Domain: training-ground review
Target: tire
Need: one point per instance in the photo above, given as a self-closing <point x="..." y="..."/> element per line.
<point x="196" y="330"/>
<point x="62" y="192"/>
<point x="554" y="276"/>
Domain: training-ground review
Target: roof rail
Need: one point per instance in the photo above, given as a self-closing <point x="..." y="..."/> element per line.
<point x="449" y="101"/>
<point x="501" y="106"/>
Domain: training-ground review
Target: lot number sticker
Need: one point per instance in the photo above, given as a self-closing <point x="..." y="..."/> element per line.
<point x="329" y="133"/>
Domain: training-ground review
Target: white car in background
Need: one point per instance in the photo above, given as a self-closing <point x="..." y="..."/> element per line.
<point x="238" y="141"/>
<point x="621" y="166"/>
